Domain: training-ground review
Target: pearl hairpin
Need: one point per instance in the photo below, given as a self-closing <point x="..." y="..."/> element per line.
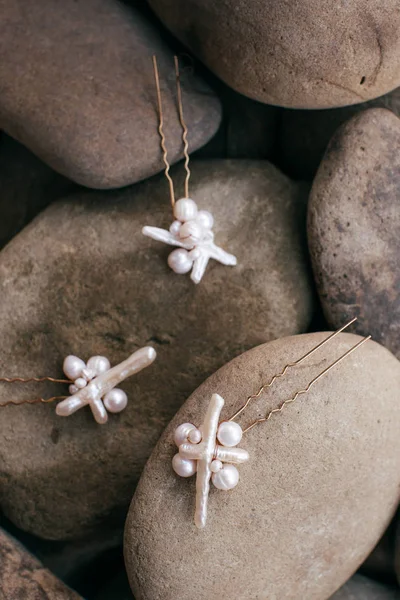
<point x="92" y="384"/>
<point x="209" y="451"/>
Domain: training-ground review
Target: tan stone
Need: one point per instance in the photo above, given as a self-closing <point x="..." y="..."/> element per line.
<point x="22" y="577"/>
<point x="83" y="279"/>
<point x="307" y="54"/>
<point x="84" y="97"/>
<point x="354" y="225"/>
<point x="295" y="525"/>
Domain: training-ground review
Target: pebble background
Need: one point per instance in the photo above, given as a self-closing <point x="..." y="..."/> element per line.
<point x="294" y="138"/>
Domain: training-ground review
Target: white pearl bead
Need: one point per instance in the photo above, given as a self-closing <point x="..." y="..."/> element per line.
<point x="98" y="364"/>
<point x="185" y="209"/>
<point x="73" y="389"/>
<point x="183" y="466"/>
<point x="205" y="219"/>
<point x="181" y="434"/>
<point x="115" y="400"/>
<point x="175" y="227"/>
<point x="191" y="232"/>
<point x="80" y="383"/>
<point x="73" y="367"/>
<point x="227" y="478"/>
<point x="216" y="465"/>
<point x="180" y="261"/>
<point x="194" y="436"/>
<point x="229" y="433"/>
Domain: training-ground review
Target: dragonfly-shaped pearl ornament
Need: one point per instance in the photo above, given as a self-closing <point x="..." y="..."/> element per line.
<point x="192" y="233"/>
<point x="200" y="452"/>
<point x="94" y="383"/>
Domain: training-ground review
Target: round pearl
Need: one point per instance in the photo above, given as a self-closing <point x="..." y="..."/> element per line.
<point x="80" y="383"/>
<point x="216" y="465"/>
<point x="73" y="367"/>
<point x="181" y="434"/>
<point x="191" y="232"/>
<point x="180" y="261"/>
<point x="227" y="478"/>
<point x="194" y="436"/>
<point x="185" y="209"/>
<point x="98" y="364"/>
<point x="229" y="433"/>
<point x="115" y="400"/>
<point x="205" y="219"/>
<point x="73" y="389"/>
<point x="184" y="466"/>
<point x="175" y="227"/>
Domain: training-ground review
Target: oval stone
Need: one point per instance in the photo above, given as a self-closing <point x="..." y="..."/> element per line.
<point x="354" y="227"/>
<point x="294" y="527"/>
<point x="23" y="576"/>
<point x="304" y="54"/>
<point x="85" y="99"/>
<point x="82" y="279"/>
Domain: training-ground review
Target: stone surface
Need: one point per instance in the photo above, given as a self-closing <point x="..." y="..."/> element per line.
<point x="27" y="186"/>
<point x="354" y="226"/>
<point x="305" y="55"/>
<point x="83" y="279"/>
<point x="362" y="588"/>
<point x="85" y="99"/>
<point x="304" y="134"/>
<point x="295" y="525"/>
<point x="23" y="577"/>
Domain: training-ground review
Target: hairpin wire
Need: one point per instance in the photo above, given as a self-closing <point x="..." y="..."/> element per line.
<point x="287" y="367"/>
<point x="33" y="380"/>
<point x="308" y="387"/>
<point x="183" y="125"/>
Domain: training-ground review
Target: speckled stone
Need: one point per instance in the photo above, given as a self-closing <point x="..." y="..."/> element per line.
<point x="304" y="134"/>
<point x="294" y="527"/>
<point x="354" y="225"/>
<point x="362" y="588"/>
<point x="84" y="99"/>
<point x="83" y="279"/>
<point x="23" y="577"/>
<point x="306" y="54"/>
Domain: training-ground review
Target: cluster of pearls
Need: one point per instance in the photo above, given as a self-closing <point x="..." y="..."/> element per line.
<point x="224" y="476"/>
<point x="82" y="373"/>
<point x="192" y="227"/>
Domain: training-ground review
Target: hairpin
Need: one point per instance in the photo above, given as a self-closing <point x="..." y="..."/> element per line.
<point x="92" y="383"/>
<point x="191" y="231"/>
<point x="210" y="450"/>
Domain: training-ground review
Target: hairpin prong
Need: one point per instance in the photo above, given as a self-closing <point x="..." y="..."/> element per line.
<point x="287" y="367"/>
<point x="308" y="387"/>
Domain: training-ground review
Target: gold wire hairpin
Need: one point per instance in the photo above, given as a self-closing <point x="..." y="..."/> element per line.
<point x="191" y="231"/>
<point x="92" y="383"/>
<point x="210" y="450"/>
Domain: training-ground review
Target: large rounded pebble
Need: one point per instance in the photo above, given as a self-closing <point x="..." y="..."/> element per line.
<point x="362" y="588"/>
<point x="83" y="280"/>
<point x="22" y="576"/>
<point x="304" y="54"/>
<point x="304" y="134"/>
<point x="354" y="226"/>
<point x="295" y="526"/>
<point x="85" y="99"/>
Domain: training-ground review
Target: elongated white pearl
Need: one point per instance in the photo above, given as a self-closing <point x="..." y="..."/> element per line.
<point x="191" y="232"/>
<point x="229" y="433"/>
<point x="73" y="367"/>
<point x="226" y="478"/>
<point x="115" y="400"/>
<point x="180" y="261"/>
<point x="185" y="467"/>
<point x="181" y="434"/>
<point x="216" y="465"/>
<point x="205" y="219"/>
<point x="98" y="364"/>
<point x="185" y="209"/>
